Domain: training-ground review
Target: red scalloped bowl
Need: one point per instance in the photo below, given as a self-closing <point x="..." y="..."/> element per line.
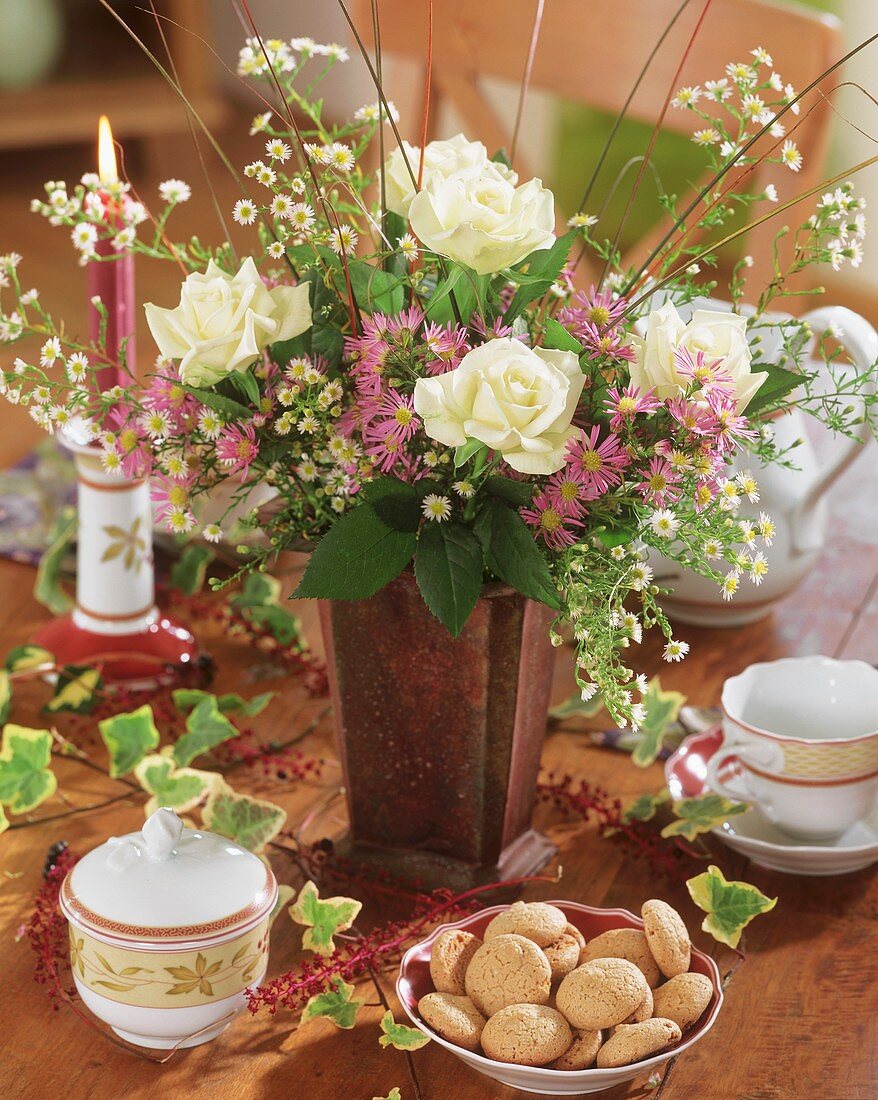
<point x="414" y="982"/>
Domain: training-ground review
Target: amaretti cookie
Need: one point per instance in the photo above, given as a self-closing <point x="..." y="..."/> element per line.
<point x="563" y="956"/>
<point x="625" y="943"/>
<point x="683" y="999"/>
<point x="528" y="1035"/>
<point x="508" y="970"/>
<point x="667" y="937"/>
<point x="535" y="920"/>
<point x="633" y="1042"/>
<point x="449" y="958"/>
<point x="582" y="1051"/>
<point x="601" y="993"/>
<point x="454" y="1018"/>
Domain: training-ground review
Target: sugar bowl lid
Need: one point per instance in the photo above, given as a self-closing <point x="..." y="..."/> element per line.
<point x="167" y="883"/>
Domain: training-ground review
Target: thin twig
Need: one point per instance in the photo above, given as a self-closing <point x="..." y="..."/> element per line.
<point x="525" y="80"/>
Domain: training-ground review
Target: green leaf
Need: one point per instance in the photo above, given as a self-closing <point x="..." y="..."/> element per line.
<point x="448" y="569"/>
<point x="251" y="822"/>
<point x="47" y="586"/>
<point x="228" y="408"/>
<point x="511" y="553"/>
<point x="338" y="1006"/>
<point x="181" y="789"/>
<point x="644" y="807"/>
<point x="543" y="268"/>
<point x="75" y="690"/>
<point x="556" y="336"/>
<point x="245" y="381"/>
<point x="24" y="657"/>
<point x="185" y="699"/>
<point x="519" y="493"/>
<point x="730" y="906"/>
<point x="323" y="917"/>
<point x="206" y="728"/>
<point x="284" y="627"/>
<point x="5" y="696"/>
<point x="662" y="709"/>
<point x="376" y="291"/>
<point x="399" y="1036"/>
<point x="258" y="590"/>
<point x="465" y="452"/>
<point x="576" y="707"/>
<point x="396" y="504"/>
<point x="189" y="571"/>
<point x="4" y="825"/>
<point x="356" y="557"/>
<point x="394" y="1094"/>
<point x="700" y="815"/>
<point x="777" y="385"/>
<point x="129" y="737"/>
<point x="26" y="779"/>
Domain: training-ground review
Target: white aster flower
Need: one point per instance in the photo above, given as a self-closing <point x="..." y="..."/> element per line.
<point x="180" y="521"/>
<point x="156" y="423"/>
<point x="757" y="568"/>
<point x="436" y="508"/>
<point x="111" y="462"/>
<point x="763" y="57"/>
<point x="675" y="651"/>
<point x="790" y="156"/>
<point x="408" y="246"/>
<point x="175" y="191"/>
<point x="343" y="240"/>
<point x="718" y="89"/>
<point x="124" y="239"/>
<point x="664" y="523"/>
<point x="587" y="692"/>
<point x="582" y="221"/>
<point x="244" y="212"/>
<point x="339" y="156"/>
<point x="687" y="97"/>
<point x="266" y="176"/>
<point x="770" y="192"/>
<point x="301" y="217"/>
<point x="707" y="136"/>
<point x="77" y="367"/>
<point x="639" y="576"/>
<point x="50" y="351"/>
<point x="260" y="123"/>
<point x="276" y="250"/>
<point x="212" y="532"/>
<point x="730" y="584"/>
<point x="464" y="489"/>
<point x="209" y="424"/>
<point x="84" y="237"/>
<point x="278" y="150"/>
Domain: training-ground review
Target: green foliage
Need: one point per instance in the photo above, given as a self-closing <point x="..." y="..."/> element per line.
<point x="47" y="587"/>
<point x="399" y="1036"/>
<point x="662" y="710"/>
<point x="185" y="699"/>
<point x="448" y="569"/>
<point x="542" y="269"/>
<point x="280" y="624"/>
<point x="179" y="788"/>
<point x="26" y="779"/>
<point x="357" y="556"/>
<point x="75" y="690"/>
<point x="519" y="493"/>
<point x="189" y="571"/>
<point x="206" y="728"/>
<point x="511" y="553"/>
<point x="465" y="452"/>
<point x="323" y="918"/>
<point x="24" y="657"/>
<point x="229" y="409"/>
<point x="258" y="590"/>
<point x="559" y="338"/>
<point x="776" y="386"/>
<point x="700" y="815"/>
<point x="577" y="707"/>
<point x="644" y="807"/>
<point x="5" y="695"/>
<point x="376" y="291"/>
<point x="730" y="906"/>
<point x="339" y="1005"/>
<point x="250" y="822"/>
<point x="129" y="737"/>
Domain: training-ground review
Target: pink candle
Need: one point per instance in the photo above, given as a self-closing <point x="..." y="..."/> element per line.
<point x="112" y="281"/>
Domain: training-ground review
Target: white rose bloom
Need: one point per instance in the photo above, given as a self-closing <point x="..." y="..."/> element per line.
<point x="442" y="160"/>
<point x="223" y="322"/>
<point x="718" y="334"/>
<point x="516" y="400"/>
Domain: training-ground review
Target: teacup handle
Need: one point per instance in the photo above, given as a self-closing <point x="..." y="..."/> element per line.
<point x="715" y="765"/>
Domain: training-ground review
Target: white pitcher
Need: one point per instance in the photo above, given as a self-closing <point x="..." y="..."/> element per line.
<point x="795" y="499"/>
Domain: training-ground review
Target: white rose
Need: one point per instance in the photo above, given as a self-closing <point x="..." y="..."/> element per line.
<point x="442" y="160"/>
<point x="516" y="400"/>
<point x="223" y="322"/>
<point x="719" y="335"/>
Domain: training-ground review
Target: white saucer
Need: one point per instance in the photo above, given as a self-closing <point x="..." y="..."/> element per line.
<point x="754" y="836"/>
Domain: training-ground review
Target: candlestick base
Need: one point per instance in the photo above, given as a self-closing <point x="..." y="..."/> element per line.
<point x="144" y="659"/>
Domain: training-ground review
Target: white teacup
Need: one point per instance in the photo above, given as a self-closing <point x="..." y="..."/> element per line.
<point x="802" y="735"/>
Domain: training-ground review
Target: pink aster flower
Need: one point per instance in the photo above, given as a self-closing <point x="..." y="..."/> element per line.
<point x="167" y="394"/>
<point x="627" y="403"/>
<point x="597" y="307"/>
<point x="601" y="464"/>
<point x="393" y="417"/>
<point x="169" y="495"/>
<point x="728" y="427"/>
<point x="707" y="374"/>
<point x="569" y="491"/>
<point x="659" y="486"/>
<point x="552" y="527"/>
<point x="237" y="448"/>
<point x="444" y="347"/>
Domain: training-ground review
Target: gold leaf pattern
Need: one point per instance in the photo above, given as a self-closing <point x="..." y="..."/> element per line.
<point x="129" y="543"/>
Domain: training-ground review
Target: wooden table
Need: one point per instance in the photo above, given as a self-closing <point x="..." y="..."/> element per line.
<point x="799" y="1019"/>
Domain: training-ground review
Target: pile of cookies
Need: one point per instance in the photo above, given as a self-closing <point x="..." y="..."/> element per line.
<point x="534" y="993"/>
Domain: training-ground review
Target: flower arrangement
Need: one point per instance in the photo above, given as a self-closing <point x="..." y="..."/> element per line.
<point x="403" y="359"/>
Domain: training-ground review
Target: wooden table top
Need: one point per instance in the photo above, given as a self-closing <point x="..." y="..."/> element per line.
<point x="799" y="1020"/>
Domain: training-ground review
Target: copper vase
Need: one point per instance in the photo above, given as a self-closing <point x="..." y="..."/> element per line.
<point x="440" y="737"/>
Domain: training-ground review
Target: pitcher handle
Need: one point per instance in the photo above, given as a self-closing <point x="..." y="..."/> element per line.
<point x="860" y="341"/>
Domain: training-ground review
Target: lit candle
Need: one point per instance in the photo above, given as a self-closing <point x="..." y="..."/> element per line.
<point x="111" y="280"/>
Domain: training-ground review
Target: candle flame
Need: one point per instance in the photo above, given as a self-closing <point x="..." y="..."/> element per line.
<point x="106" y="152"/>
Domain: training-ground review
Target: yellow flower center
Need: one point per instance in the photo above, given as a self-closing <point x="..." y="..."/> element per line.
<point x="550" y="520"/>
<point x="128" y="440"/>
<point x="569" y="490"/>
<point x="599" y="315"/>
<point x="591" y="461"/>
<point x="177" y="496"/>
<point x="627" y="405"/>
<point x="658" y="482"/>
<point x="403" y="416"/>
<point x="243" y="449"/>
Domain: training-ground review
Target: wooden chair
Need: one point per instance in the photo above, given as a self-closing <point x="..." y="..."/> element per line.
<point x="591" y="52"/>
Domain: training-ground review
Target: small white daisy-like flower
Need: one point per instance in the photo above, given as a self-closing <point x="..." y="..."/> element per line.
<point x="712" y="550"/>
<point x="718" y="89"/>
<point x="77" y="367"/>
<point x="266" y="176"/>
<point x="301" y="217"/>
<point x="730" y="584"/>
<point x="435" y="507"/>
<point x="618" y="553"/>
<point x="790" y="156"/>
<point x="693" y="269"/>
<point x="212" y="532"/>
<point x="641" y="684"/>
<point x="307" y="469"/>
<point x="281" y="205"/>
<point x="343" y="239"/>
<point x="84" y="237"/>
<point x="371" y="112"/>
<point x="757" y="568"/>
<point x="278" y="150"/>
<point x="752" y="107"/>
<point x="337" y="504"/>
<point x="111" y="462"/>
<point x="50" y="351"/>
<point x="587" y="692"/>
<point x="639" y="576"/>
<point x="309" y="424"/>
<point x="687" y="97"/>
<point x="176" y="466"/>
<point x="763" y="57"/>
<point x="748" y="486"/>
<point x="408" y="246"/>
<point x="209" y="424"/>
<point x="675" y="651"/>
<point x="124" y="239"/>
<point x="276" y="250"/>
<point x="664" y="523"/>
<point x="40" y="415"/>
<point x="180" y="521"/>
<point x="770" y="192"/>
<point x="741" y="73"/>
<point x="340" y="157"/>
<point x="777" y="129"/>
<point x="175" y="191"/>
<point x="42" y="395"/>
<point x="260" y="123"/>
<point x="464" y="489"/>
<point x="775" y="81"/>
<point x="707" y="136"/>
<point x="250" y="170"/>
<point x="638" y="716"/>
<point x="30" y="296"/>
<point x="790" y="94"/>
<point x="315" y="153"/>
<point x="60" y="415"/>
<point x="335" y="51"/>
<point x="244" y="212"/>
<point x="582" y="221"/>
<point x="156" y="423"/>
<point x="748" y="532"/>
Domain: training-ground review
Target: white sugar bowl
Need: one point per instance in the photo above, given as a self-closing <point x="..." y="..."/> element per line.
<point x="168" y="927"/>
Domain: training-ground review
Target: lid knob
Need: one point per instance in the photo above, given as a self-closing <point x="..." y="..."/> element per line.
<point x="161" y="832"/>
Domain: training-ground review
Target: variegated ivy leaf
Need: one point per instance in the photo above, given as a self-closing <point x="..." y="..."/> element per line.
<point x="285" y="895"/>
<point x="394" y="1094"/>
<point x="129" y="737"/>
<point x="251" y="822"/>
<point x="730" y="906"/>
<point x="23" y="657"/>
<point x="338" y="1006"/>
<point x="5" y="695"/>
<point x="324" y="918"/>
<point x="180" y="789"/>
<point x="47" y="586"/>
<point x="186" y="699"/>
<point x="258" y="590"/>
<point x="399" y="1036"/>
<point x="4" y="822"/>
<point x="205" y="729"/>
<point x="700" y="815"/>
<point x="26" y="779"/>
<point x="577" y="707"/>
<point x="644" y="808"/>
<point x="75" y="690"/>
<point x="662" y="708"/>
